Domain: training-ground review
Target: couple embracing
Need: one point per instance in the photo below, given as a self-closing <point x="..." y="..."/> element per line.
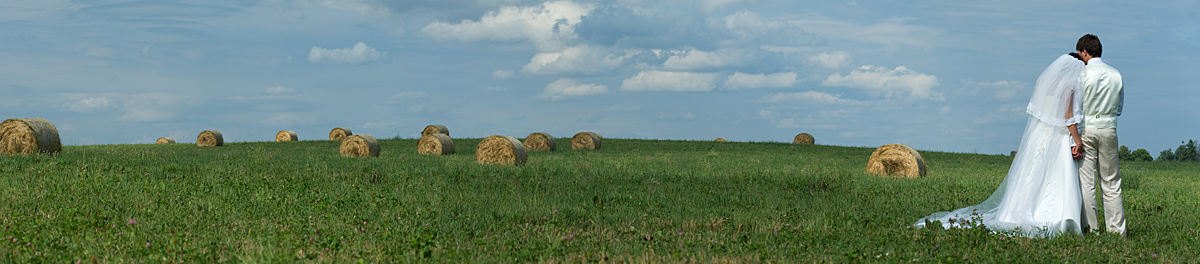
<point x="1070" y="136"/>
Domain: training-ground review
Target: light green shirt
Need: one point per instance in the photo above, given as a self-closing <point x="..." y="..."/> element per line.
<point x="1103" y="95"/>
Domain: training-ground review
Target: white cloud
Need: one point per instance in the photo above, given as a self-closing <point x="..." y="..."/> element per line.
<point x="154" y="107"/>
<point x="578" y="59"/>
<point x="691" y="58"/>
<point x="289" y="119"/>
<point x="364" y="9"/>
<point x="835" y="60"/>
<point x="747" y="81"/>
<point x="748" y="25"/>
<point x="804" y="123"/>
<point x="808" y="97"/>
<point x="892" y="33"/>
<point x="670" y="81"/>
<point x="142" y="115"/>
<point x="889" y="82"/>
<point x="945" y="110"/>
<point x="548" y="26"/>
<point x="360" y="53"/>
<point x="496" y="89"/>
<point x="619" y="108"/>
<point x="786" y="50"/>
<point x="764" y="113"/>
<point x="145" y="107"/>
<point x="1002" y="90"/>
<point x="684" y="117"/>
<point x="98" y="51"/>
<point x="714" y="5"/>
<point x="380" y="124"/>
<point x="502" y="74"/>
<point x="590" y="118"/>
<point x="1003" y="114"/>
<point x="404" y="96"/>
<point x="90" y="104"/>
<point x="566" y="88"/>
<point x="279" y="90"/>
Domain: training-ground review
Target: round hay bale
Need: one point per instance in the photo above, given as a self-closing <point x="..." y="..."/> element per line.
<point x="435" y="144"/>
<point x="20" y="136"/>
<point x="339" y="133"/>
<point x="359" y="146"/>
<point x="896" y="160"/>
<point x="803" y="138"/>
<point x="596" y="134"/>
<point x="502" y="150"/>
<point x="435" y="129"/>
<point x="165" y="140"/>
<point x="721" y="140"/>
<point x="286" y="135"/>
<point x="539" y="141"/>
<point x="210" y="138"/>
<point x="585" y="140"/>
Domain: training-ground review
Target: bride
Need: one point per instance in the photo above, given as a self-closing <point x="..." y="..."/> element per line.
<point x="1040" y="196"/>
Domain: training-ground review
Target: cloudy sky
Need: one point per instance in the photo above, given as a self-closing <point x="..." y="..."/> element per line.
<point x="936" y="75"/>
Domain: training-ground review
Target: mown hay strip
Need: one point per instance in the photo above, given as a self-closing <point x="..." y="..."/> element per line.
<point x="435" y="144"/>
<point x="585" y="140"/>
<point x="435" y="129"/>
<point x="339" y="133"/>
<point x="896" y="160"/>
<point x="286" y="135"/>
<point x="540" y="141"/>
<point x="210" y="138"/>
<point x="359" y="146"/>
<point x="21" y="136"/>
<point x="502" y="150"/>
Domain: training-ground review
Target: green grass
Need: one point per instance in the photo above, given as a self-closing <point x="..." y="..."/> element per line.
<point x="633" y="200"/>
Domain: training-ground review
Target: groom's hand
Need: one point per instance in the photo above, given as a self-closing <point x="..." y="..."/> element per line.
<point x="1077" y="152"/>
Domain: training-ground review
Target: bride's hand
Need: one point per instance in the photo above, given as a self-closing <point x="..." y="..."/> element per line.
<point x="1077" y="152"/>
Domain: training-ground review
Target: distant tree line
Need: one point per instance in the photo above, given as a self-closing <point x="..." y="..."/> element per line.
<point x="1187" y="152"/>
<point x="1136" y="155"/>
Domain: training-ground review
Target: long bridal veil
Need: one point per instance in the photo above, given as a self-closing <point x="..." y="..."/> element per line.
<point x="1040" y="196"/>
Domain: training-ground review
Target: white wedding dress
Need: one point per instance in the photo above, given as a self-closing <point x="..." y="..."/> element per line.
<point x="1040" y="196"/>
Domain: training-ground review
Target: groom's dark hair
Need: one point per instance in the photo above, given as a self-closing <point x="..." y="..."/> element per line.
<point x="1091" y="44"/>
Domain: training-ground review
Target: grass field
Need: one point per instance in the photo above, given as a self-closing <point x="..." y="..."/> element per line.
<point x="633" y="200"/>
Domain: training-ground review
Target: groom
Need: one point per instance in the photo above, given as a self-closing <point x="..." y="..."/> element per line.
<point x="1103" y="100"/>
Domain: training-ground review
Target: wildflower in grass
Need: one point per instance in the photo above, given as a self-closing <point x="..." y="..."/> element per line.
<point x="147" y="244"/>
<point x="132" y="222"/>
<point x="1154" y="256"/>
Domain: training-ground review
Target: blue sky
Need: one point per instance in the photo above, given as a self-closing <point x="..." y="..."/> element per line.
<point x="936" y="75"/>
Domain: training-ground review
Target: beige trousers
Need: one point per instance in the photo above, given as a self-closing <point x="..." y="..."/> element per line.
<point x="1101" y="146"/>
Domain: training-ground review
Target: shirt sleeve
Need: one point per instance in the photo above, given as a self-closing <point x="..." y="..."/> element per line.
<point x="1121" y="100"/>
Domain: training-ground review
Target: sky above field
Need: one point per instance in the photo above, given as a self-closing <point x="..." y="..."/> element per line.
<point x="936" y="75"/>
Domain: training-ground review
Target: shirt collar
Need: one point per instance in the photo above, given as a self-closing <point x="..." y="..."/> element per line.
<point x="1096" y="61"/>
